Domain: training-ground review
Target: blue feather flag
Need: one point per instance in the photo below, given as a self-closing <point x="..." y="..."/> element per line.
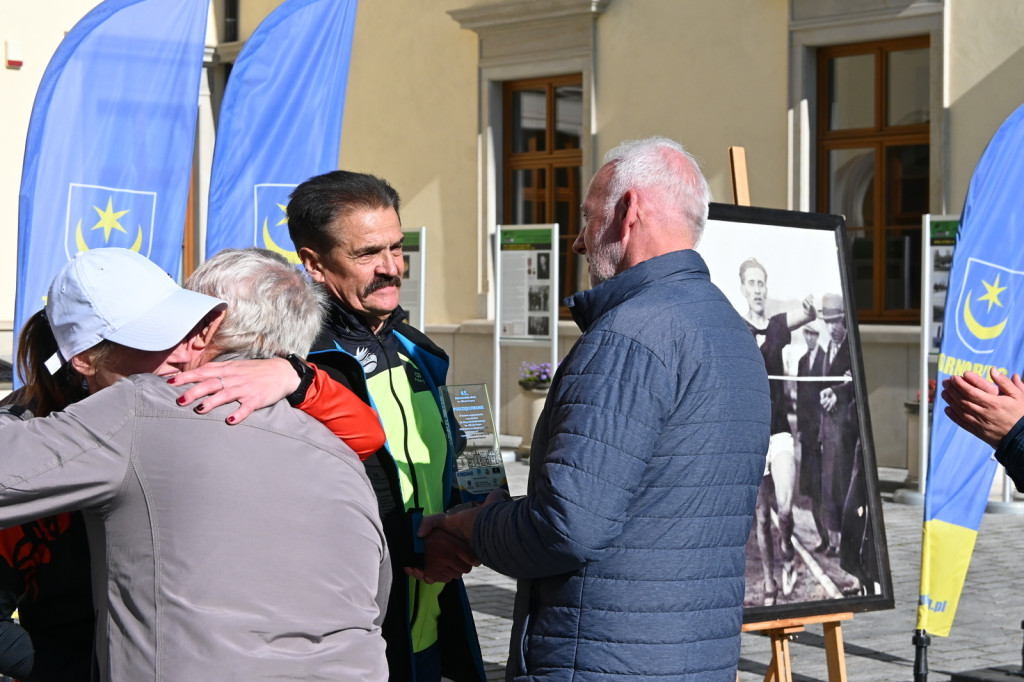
<point x="109" y="149"/>
<point x="984" y="329"/>
<point x="280" y="122"/>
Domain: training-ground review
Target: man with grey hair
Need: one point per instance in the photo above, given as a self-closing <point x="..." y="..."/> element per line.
<point x="214" y="547"/>
<point x="629" y="544"/>
<point x="274" y="310"/>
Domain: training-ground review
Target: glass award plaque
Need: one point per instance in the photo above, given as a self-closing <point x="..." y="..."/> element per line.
<point x="470" y="426"/>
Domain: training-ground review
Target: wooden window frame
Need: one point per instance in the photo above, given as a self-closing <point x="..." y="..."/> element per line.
<point x="880" y="137"/>
<point x="548" y="160"/>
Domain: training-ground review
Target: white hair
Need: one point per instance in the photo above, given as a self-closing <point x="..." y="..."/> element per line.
<point x="273" y="309"/>
<point x="651" y="163"/>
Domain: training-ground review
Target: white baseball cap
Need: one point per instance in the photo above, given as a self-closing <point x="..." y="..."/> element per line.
<point x="118" y="295"/>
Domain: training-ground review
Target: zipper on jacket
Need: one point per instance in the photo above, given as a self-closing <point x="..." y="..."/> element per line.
<point x="412" y="467"/>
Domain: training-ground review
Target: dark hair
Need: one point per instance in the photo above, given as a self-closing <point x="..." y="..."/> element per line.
<point x="44" y="392"/>
<point x="318" y="202"/>
<point x="752" y="263"/>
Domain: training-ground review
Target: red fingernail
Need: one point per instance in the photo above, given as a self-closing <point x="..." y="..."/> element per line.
<point x="231" y="419"/>
<point x="171" y="380"/>
<point x="180" y="400"/>
<point x="199" y="407"/>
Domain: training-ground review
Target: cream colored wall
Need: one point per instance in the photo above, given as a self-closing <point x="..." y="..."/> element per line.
<point x="39" y="33"/>
<point x="709" y="74"/>
<point x="411" y="117"/>
<point x="985" y="67"/>
<point x="251" y="13"/>
<point x="659" y="70"/>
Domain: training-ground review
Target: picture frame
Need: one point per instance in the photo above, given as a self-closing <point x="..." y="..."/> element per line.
<point x="835" y="558"/>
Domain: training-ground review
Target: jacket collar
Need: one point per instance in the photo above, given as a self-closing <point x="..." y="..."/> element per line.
<point x="345" y="321"/>
<point x="587" y="306"/>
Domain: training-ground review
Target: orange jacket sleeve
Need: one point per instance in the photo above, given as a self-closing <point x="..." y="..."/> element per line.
<point x="341" y="410"/>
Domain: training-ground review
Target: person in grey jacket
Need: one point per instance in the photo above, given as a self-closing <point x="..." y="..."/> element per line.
<point x="646" y="461"/>
<point x="252" y="551"/>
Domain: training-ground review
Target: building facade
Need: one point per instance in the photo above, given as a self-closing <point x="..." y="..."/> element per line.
<point x="489" y="113"/>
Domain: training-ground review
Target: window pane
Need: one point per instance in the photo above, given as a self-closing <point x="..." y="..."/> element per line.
<point x="907" y="89"/>
<point x="902" y="269"/>
<point x="567" y="199"/>
<point x="568" y="116"/>
<point x="528" y="203"/>
<point x="542" y="172"/>
<point x="529" y="112"/>
<point x="862" y="254"/>
<point x="907" y="184"/>
<point x="852" y="92"/>
<point x="851" y="185"/>
<point x="567" y="215"/>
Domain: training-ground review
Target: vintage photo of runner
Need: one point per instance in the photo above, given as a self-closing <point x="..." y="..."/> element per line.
<point x="817" y="544"/>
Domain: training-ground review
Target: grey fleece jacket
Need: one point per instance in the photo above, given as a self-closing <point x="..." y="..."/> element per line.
<point x="249" y="552"/>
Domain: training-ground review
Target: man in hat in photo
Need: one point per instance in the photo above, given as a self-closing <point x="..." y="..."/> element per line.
<point x="838" y="429"/>
<point x="808" y="422"/>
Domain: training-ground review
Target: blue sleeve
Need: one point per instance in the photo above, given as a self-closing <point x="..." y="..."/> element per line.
<point x="604" y="420"/>
<point x="16" y="652"/>
<point x="1011" y="454"/>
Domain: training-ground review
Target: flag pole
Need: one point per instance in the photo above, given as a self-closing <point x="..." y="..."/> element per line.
<point x="921" y="641"/>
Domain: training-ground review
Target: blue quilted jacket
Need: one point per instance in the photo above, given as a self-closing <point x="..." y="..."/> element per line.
<point x="629" y="546"/>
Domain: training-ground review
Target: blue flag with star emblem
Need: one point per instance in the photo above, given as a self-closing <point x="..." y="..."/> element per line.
<point x="280" y="122"/>
<point x="984" y="323"/>
<point x="109" y="149"/>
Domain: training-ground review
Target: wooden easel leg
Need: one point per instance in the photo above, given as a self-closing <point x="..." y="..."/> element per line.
<point x="834" y="652"/>
<point x="781" y="630"/>
<point x="778" y="669"/>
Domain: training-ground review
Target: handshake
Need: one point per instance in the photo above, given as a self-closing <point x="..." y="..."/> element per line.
<point x="448" y="541"/>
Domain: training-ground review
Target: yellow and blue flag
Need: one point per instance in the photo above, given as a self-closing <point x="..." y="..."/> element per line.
<point x="280" y="122"/>
<point x="109" y="149"/>
<point x="984" y="323"/>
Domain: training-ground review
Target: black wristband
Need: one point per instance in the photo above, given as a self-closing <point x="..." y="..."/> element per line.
<point x="306" y="374"/>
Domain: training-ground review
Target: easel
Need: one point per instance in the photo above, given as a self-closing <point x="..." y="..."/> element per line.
<point x="780" y="631"/>
<point x="738" y="173"/>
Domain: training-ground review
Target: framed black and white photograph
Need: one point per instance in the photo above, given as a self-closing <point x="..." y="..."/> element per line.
<point x="538" y="325"/>
<point x="817" y="544"/>
<point x="538" y="297"/>
<point x="543" y="265"/>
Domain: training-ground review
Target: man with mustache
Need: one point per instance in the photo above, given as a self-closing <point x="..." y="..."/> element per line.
<point x="348" y="233"/>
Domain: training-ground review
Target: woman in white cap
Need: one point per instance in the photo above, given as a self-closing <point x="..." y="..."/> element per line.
<point x="110" y="313"/>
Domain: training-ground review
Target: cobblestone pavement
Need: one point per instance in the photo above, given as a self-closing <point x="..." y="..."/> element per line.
<point x="986" y="632"/>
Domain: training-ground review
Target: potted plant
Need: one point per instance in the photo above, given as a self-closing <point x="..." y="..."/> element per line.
<point x="535" y="376"/>
<point x="535" y="379"/>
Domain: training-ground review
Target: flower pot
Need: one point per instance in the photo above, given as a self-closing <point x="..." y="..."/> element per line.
<point x="533" y="400"/>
